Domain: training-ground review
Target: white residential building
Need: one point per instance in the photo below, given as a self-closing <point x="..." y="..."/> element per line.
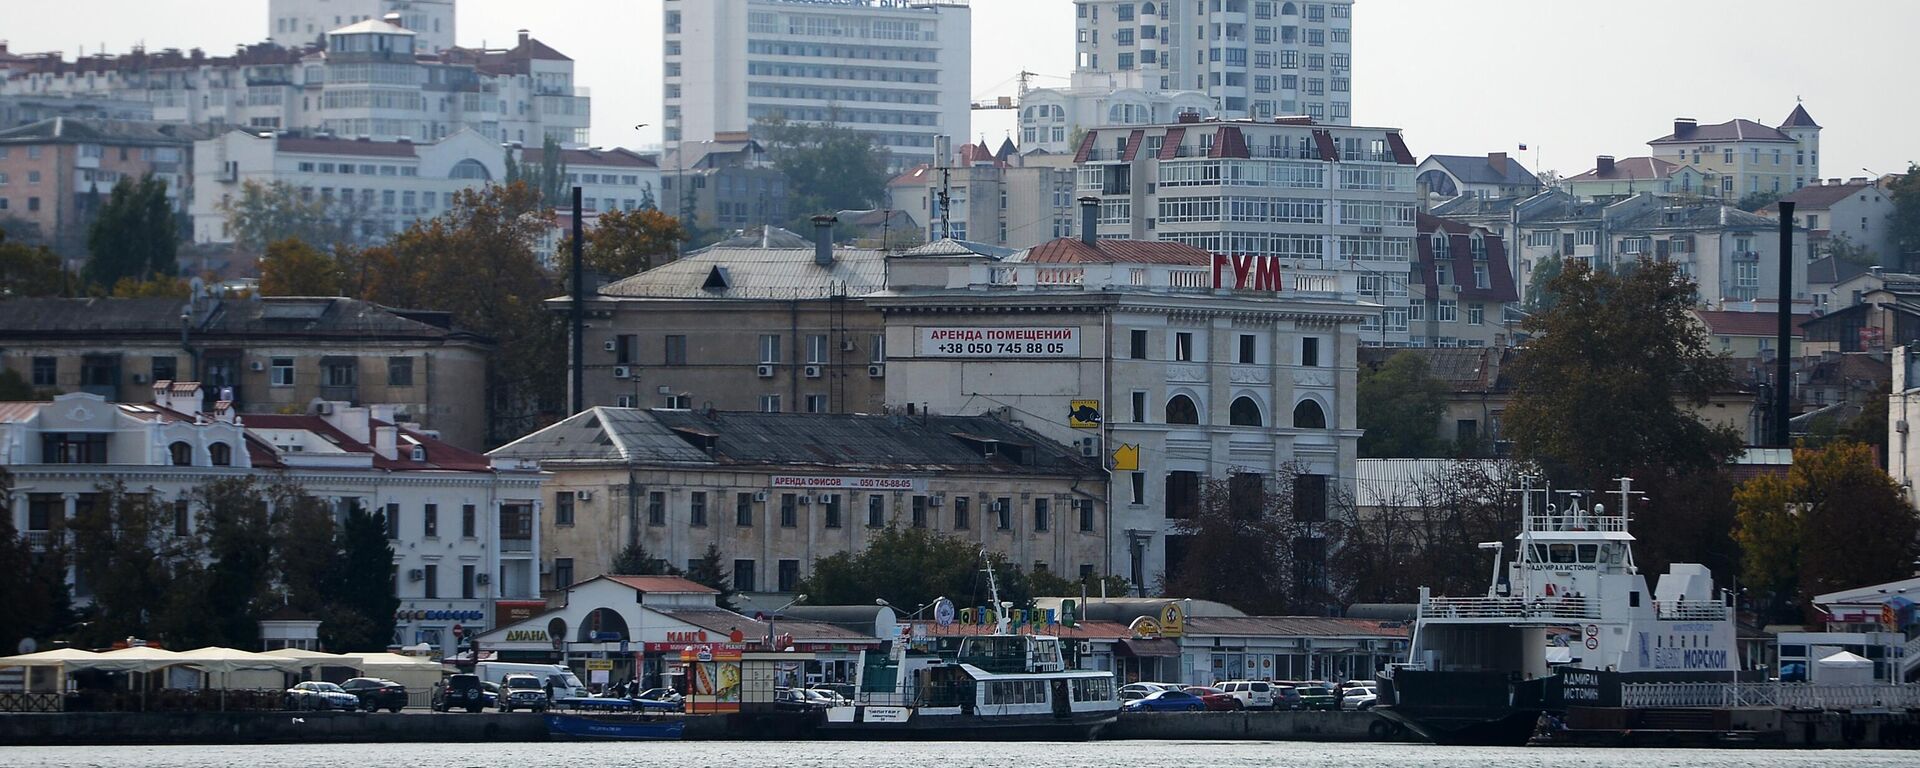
<point x="899" y="71"/>
<point x="298" y="23"/>
<point x="1051" y="117"/>
<point x="1314" y="196"/>
<point x="464" y="528"/>
<point x="1857" y="212"/>
<point x="1009" y="200"/>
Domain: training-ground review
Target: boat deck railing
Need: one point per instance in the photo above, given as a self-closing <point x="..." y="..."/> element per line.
<point x="1809" y="696"/>
<point x="1577" y="521"/>
<point x="1691" y="610"/>
<point x="1509" y="608"/>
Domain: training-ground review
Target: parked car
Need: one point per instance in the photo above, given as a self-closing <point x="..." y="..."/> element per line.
<point x="1166" y="701"/>
<point x="827" y="698"/>
<point x="524" y="692"/>
<point x="1253" y="694"/>
<point x="1134" y="691"/>
<point x="1359" y="697"/>
<point x="376" y="694"/>
<point x="1285" y="697"/>
<point x="1216" y="700"/>
<point x="318" y="695"/>
<point x="462" y="691"/>
<point x="1316" y="697"/>
<point x="660" y="694"/>
<point x="794" y="700"/>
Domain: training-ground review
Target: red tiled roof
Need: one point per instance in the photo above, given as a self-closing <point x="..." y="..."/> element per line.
<point x="440" y="455"/>
<point x="1085" y="630"/>
<point x="1229" y="142"/>
<point x="625" y="158"/>
<point x="914" y="176"/>
<point x="1721" y="323"/>
<point x="1067" y="250"/>
<point x="1328" y="150"/>
<point x="662" y="584"/>
<point x="1134" y="139"/>
<point x="1817" y="198"/>
<point x="20" y="410"/>
<point x="1086" y="148"/>
<point x="1170" y="145"/>
<point x="314" y="146"/>
<point x="1398" y="143"/>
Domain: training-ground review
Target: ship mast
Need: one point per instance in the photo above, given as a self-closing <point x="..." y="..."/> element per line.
<point x="1002" y="622"/>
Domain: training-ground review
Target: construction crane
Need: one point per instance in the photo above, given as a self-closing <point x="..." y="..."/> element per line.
<point x="1006" y="102"/>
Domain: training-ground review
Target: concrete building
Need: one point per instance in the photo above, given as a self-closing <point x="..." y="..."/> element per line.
<point x="463" y="527"/>
<point x="1742" y="157"/>
<point x="775" y="492"/>
<point x="1743" y="335"/>
<point x="1856" y="215"/>
<point x="1177" y="365"/>
<point x="261" y="356"/>
<point x="1050" y="118"/>
<point x="1312" y="196"/>
<point x="1462" y="293"/>
<point x="1492" y="176"/>
<point x="897" y="71"/>
<point x="725" y="185"/>
<point x="609" y="179"/>
<point x="1003" y="199"/>
<point x="299" y="23"/>
<point x="54" y="174"/>
<point x="1611" y="179"/>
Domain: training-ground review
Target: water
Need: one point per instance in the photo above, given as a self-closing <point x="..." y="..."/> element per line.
<point x="1109" y="754"/>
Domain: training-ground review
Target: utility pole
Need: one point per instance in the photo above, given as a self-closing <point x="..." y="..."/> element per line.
<point x="1783" y="360"/>
<point x="579" y="313"/>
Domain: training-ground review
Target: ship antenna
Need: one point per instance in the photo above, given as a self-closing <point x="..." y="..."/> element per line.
<point x="1001" y="624"/>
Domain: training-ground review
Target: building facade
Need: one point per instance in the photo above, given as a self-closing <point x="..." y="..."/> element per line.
<point x="262" y="356"/>
<point x="55" y="173"/>
<point x="1312" y="196"/>
<point x="1492" y="176"/>
<point x="1006" y="200"/>
<point x="1463" y="294"/>
<point x="725" y="185"/>
<point x="1856" y="216"/>
<point x="897" y="71"/>
<point x="1742" y="157"/>
<point x="298" y="23"/>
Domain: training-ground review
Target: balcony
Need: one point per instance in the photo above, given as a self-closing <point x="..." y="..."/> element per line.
<point x="38" y="541"/>
<point x="516" y="545"/>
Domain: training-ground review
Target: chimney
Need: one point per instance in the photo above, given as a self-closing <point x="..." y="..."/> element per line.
<point x="1683" y="127"/>
<point x="1089" y="214"/>
<point x="386" y="441"/>
<point x="523" y="37"/>
<point x="1497" y="161"/>
<point x="182" y="397"/>
<point x="1603" y="164"/>
<point x="394" y="19"/>
<point x="823" y="240"/>
<point x="1833" y="182"/>
<point x="1189" y="117"/>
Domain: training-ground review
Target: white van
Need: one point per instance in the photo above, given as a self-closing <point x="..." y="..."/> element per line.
<point x="565" y="684"/>
<point x="1253" y="694"/>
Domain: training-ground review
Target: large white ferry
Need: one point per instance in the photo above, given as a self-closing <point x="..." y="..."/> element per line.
<point x="1003" y="685"/>
<point x="1564" y="623"/>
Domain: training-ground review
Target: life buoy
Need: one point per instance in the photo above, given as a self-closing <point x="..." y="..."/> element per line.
<point x="1379" y="729"/>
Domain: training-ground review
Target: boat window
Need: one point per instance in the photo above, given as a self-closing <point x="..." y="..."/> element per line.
<point x="1539" y="553"/>
<point x="1560" y="553"/>
<point x="1589" y="552"/>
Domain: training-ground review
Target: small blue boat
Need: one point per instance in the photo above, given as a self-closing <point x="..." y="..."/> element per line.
<point x="615" y="728"/>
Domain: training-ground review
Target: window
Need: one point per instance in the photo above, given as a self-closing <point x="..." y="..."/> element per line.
<point x="1085" y="508"/>
<point x="876" y="510"/>
<point x="743" y="509"/>
<point x="393" y="521"/>
<point x="919" y="511"/>
<point x="1447" y="311"/>
<point x="181" y="515"/>
<point x="338" y="373"/>
<point x="1249" y="349"/>
<point x="1003" y="513"/>
<point x="432" y="581"/>
<point x="676" y="350"/>
<point x="562" y="572"/>
<point x="656" y="508"/>
<point x="626" y="347"/>
<point x="163" y="368"/>
<point x="1042" y="515"/>
<point x="563" y="508"/>
<point x="281" y="374"/>
<point x="789" y="575"/>
<point x="220" y="455"/>
<point x="399" y="371"/>
<point x="1310" y="352"/>
<point x="817" y="348"/>
<point x="769" y="403"/>
<point x="743" y="580"/>
<point x="789" y="510"/>
<point x="181" y="454"/>
<point x="1183" y="346"/>
<point x="830" y="509"/>
<point x="1417" y="310"/>
<point x="45" y="370"/>
<point x="469" y="522"/>
<point x="697" y="509"/>
<point x="1310" y="498"/>
<point x="1183" y="494"/>
<point x="1138" y="492"/>
<point x="1244" y="413"/>
<point x="1476" y="314"/>
<point x="962" y="512"/>
<point x="430" y="521"/>
<point x="817" y="404"/>
<point x="1139" y="409"/>
<point x="466" y="582"/>
<point x="1181" y="410"/>
<point x="1309" y="415"/>
<point x="769" y="349"/>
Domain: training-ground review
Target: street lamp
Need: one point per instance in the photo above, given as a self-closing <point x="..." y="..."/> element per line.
<point x="775" y="614"/>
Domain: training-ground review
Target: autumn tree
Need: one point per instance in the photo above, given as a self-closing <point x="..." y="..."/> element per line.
<point x="264" y="214"/>
<point x="623" y="243"/>
<point x="31" y="270"/>
<point x="1598" y="393"/>
<point x="134" y="235"/>
<point x="828" y="167"/>
<point x="294" y="268"/>
<point x="1399" y="404"/>
<point x="1260" y="543"/>
<point x="1425" y="530"/>
<point x="1834" y="521"/>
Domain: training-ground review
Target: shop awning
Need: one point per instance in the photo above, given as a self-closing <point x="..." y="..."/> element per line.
<point x="1160" y="647"/>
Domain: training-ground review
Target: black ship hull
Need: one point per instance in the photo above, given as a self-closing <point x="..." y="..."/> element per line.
<point x="1494" y="709"/>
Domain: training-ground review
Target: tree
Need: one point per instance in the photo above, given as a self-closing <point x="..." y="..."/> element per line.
<point x="1050" y="584"/>
<point x="622" y="243"/>
<point x="548" y="179"/>
<point x="234" y="549"/>
<point x="1756" y="200"/>
<point x="294" y="268"/>
<point x="1399" y="406"/>
<point x="29" y="270"/>
<point x="14" y="388"/>
<point x="1539" y="298"/>
<point x="133" y="235"/>
<point x="1835" y="521"/>
<point x="635" y="560"/>
<point x="1905" y="191"/>
<point x="268" y="213"/>
<point x="124" y="550"/>
<point x="360" y="616"/>
<point x="711" y="571"/>
<point x="829" y="168"/>
<point x="1427" y="532"/>
<point x="910" y="567"/>
<point x="1845" y="249"/>
<point x="1598" y="392"/>
<point x="162" y="287"/>
<point x="305" y="547"/>
<point x="1260" y="542"/>
<point x="32" y="584"/>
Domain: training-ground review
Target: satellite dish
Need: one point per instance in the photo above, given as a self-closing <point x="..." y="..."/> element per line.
<point x="28" y="645"/>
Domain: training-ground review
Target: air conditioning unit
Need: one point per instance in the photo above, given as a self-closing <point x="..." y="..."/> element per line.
<point x="846" y="345"/>
<point x="583" y="495"/>
<point x="1900" y="426"/>
<point x="1455" y="288"/>
<point x="323" y="408"/>
<point x="1086" y="648"/>
<point x="257" y="366"/>
<point x="759" y="495"/>
<point x="417" y="574"/>
<point x="994" y="507"/>
<point x="876" y="370"/>
<point x="610" y="345"/>
<point x="482" y="579"/>
<point x="805" y="500"/>
<point x="1089" y="447"/>
<point x="936" y="499"/>
<point x="622" y="372"/>
<point x="546" y="567"/>
<point x="764" y="371"/>
<point x="813" y="371"/>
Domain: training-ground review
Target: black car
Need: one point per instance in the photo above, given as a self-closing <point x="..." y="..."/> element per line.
<point x="377" y="694"/>
<point x="462" y="691"/>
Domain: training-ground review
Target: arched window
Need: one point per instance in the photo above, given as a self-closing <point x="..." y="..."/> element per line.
<point x="1059" y="112"/>
<point x="181" y="453"/>
<point x="1244" y="413"/>
<point x="221" y="454"/>
<point x="1440" y="249"/>
<point x="1146" y="9"/>
<point x="1287" y="9"/>
<point x="1307" y="415"/>
<point x="1181" y="410"/>
<point x="470" y="169"/>
<point x="1479" y="246"/>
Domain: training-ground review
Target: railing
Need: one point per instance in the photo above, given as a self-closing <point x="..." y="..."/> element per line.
<point x="1910" y="657"/>
<point x="15" y="701"/>
<point x="1691" y="610"/>
<point x="1509" y="608"/>
<point x="1579" y="521"/>
<point x="516" y="545"/>
<point x="1770" y="695"/>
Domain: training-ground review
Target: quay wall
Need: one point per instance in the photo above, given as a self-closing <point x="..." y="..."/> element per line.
<point x="1257" y="726"/>
<point x="89" y="728"/>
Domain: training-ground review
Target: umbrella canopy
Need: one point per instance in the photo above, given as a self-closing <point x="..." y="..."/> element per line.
<point x="218" y="660"/>
<point x="392" y="659"/>
<point x="140" y="658"/>
<point x="315" y="658"/>
<point x="55" y="658"/>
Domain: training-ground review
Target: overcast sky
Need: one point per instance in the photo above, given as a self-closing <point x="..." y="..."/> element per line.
<point x="1572" y="79"/>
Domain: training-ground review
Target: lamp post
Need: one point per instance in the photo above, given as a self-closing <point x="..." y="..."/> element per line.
<point x="773" y="636"/>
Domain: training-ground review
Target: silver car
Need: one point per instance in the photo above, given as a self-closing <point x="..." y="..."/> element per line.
<point x="315" y="695"/>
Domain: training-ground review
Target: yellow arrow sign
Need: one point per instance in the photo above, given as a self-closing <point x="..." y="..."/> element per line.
<point x="1126" y="458"/>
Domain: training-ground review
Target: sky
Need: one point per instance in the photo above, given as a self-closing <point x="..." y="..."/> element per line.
<point x="1571" y="79"/>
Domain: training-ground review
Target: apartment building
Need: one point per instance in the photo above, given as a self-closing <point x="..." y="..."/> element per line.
<point x="728" y="184"/>
<point x="1743" y="157"/>
<point x="1853" y="215"/>
<point x="298" y="23"/>
<point x="897" y="71"/>
<point x="1001" y="199"/>
<point x="55" y="173"/>
<point x="1463" y="290"/>
<point x="1492" y="176"/>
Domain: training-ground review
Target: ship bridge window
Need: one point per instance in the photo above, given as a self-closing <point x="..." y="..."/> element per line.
<point x="1560" y="553"/>
<point x="1589" y="553"/>
<point x="1539" y="553"/>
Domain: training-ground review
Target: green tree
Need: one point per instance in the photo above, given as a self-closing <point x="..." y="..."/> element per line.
<point x="548" y="178"/>
<point x="1905" y="191"/>
<point x="1256" y="543"/>
<point x="32" y="584"/>
<point x="1427" y="533"/>
<point x="133" y="235"/>
<point x="635" y="560"/>
<point x="1834" y="521"/>
<point x="1756" y="200"/>
<point x="623" y="243"/>
<point x="305" y="547"/>
<point x="1845" y="249"/>
<point x="1050" y="584"/>
<point x="1539" y="297"/>
<point x="360" y="614"/>
<point x="294" y="268"/>
<point x="828" y="167"/>
<point x="14" y="388"/>
<point x="28" y="271"/>
<point x="267" y="213"/>
<point x="1399" y="405"/>
<point x="1599" y="391"/>
<point x="125" y="551"/>
<point x="910" y="567"/>
<point x="161" y="287"/>
<point x="234" y="542"/>
<point x="711" y="571"/>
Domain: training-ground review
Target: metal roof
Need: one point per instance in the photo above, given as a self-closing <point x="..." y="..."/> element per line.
<point x="304" y="317"/>
<point x="754" y="272"/>
<point x="605" y="435"/>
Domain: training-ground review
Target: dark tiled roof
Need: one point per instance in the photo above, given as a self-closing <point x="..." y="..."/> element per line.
<point x="624" y="158"/>
<point x="73" y="130"/>
<point x="272" y="317"/>
<point x="1694" y="217"/>
<point x="310" y="145"/>
<point x="1463" y="369"/>
<point x="1765" y="324"/>
<point x="1819" y="197"/>
<point x="1478" y="169"/>
<point x="1068" y="250"/>
<point x="1799" y="118"/>
<point x="718" y="620"/>
<point x="1829" y="270"/>
<point x="842" y="442"/>
<point x="1630" y="169"/>
<point x="1731" y="130"/>
<point x="673" y="584"/>
<point x="1500" y="284"/>
<point x="604" y="435"/>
